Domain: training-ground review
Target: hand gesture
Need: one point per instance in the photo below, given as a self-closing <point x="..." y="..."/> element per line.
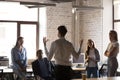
<point x="45" y="40"/>
<point x="81" y="42"/>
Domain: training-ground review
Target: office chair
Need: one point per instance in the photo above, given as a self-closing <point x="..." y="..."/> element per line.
<point x="1" y="74"/>
<point x="103" y="70"/>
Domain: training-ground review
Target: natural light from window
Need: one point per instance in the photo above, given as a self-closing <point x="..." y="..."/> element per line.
<point x="117" y="24"/>
<point x="8" y="36"/>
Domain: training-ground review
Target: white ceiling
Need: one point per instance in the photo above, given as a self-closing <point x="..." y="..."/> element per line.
<point x="41" y="1"/>
<point x="116" y="2"/>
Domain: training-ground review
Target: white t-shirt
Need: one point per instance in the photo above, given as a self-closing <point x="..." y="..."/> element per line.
<point x="111" y="47"/>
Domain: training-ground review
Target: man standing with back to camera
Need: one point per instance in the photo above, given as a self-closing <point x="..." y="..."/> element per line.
<point x="62" y="50"/>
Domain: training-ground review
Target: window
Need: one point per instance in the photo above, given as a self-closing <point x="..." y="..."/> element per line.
<point x="117" y="22"/>
<point x="8" y="34"/>
<point x="28" y="31"/>
<point x="23" y="23"/>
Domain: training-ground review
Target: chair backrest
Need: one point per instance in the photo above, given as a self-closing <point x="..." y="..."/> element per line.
<point x="103" y="70"/>
<point x="1" y="73"/>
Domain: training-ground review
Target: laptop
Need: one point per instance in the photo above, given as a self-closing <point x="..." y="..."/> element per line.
<point x="80" y="62"/>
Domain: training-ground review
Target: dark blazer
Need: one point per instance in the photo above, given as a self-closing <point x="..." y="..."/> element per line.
<point x="40" y="67"/>
<point x="35" y="67"/>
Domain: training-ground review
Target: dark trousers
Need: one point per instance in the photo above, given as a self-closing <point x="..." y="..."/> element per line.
<point x="63" y="72"/>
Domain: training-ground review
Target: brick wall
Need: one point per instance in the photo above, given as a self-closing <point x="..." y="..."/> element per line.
<point x="90" y="24"/>
<point x="56" y="16"/>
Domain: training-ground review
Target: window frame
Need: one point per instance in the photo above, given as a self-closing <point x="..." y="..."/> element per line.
<point x="26" y="22"/>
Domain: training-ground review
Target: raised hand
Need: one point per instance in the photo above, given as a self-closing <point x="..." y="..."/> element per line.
<point x="45" y="40"/>
<point x="81" y="42"/>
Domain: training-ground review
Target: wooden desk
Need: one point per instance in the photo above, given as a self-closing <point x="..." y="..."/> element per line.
<point x="103" y="78"/>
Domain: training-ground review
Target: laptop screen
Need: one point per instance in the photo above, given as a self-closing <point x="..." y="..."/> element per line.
<point x="80" y="60"/>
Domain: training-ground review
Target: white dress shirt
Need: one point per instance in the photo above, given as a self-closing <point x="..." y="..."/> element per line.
<point x="62" y="50"/>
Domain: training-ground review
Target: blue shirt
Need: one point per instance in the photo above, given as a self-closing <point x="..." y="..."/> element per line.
<point x="16" y="55"/>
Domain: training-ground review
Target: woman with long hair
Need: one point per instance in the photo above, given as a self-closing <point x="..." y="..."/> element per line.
<point x="19" y="59"/>
<point x="111" y="52"/>
<point x="93" y="57"/>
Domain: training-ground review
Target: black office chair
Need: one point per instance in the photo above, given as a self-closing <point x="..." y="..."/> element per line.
<point x="1" y="74"/>
<point x="103" y="70"/>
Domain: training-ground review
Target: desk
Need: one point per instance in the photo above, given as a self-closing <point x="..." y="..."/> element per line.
<point x="103" y="78"/>
<point x="8" y="70"/>
<point x="9" y="74"/>
<point x="79" y="69"/>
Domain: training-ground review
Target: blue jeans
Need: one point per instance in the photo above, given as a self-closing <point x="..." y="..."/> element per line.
<point x="92" y="72"/>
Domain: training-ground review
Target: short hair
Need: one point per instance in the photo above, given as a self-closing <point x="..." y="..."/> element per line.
<point x="62" y="30"/>
<point x="39" y="52"/>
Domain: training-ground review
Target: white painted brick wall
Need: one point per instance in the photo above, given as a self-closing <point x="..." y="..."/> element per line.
<point x="92" y="28"/>
<point x="91" y="25"/>
<point x="56" y="16"/>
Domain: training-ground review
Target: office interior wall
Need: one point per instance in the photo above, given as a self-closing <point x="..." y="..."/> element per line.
<point x="61" y="14"/>
<point x="107" y="23"/>
<point x="94" y="24"/>
<point x="91" y="25"/>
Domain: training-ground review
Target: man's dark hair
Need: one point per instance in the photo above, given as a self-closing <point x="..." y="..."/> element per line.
<point x="62" y="30"/>
<point x="39" y="52"/>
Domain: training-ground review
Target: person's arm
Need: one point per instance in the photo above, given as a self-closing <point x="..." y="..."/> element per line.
<point x="15" y="58"/>
<point x="108" y="50"/>
<point x="44" y="42"/>
<point x="112" y="50"/>
<point x="74" y="53"/>
<point x="25" y="61"/>
<point x="106" y="53"/>
<point x="12" y="56"/>
<point x="97" y="55"/>
<point x="52" y="48"/>
<point x="96" y="58"/>
<point x="81" y="43"/>
<point x="110" y="53"/>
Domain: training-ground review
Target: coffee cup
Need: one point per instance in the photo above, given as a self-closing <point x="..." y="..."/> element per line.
<point x="84" y="76"/>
